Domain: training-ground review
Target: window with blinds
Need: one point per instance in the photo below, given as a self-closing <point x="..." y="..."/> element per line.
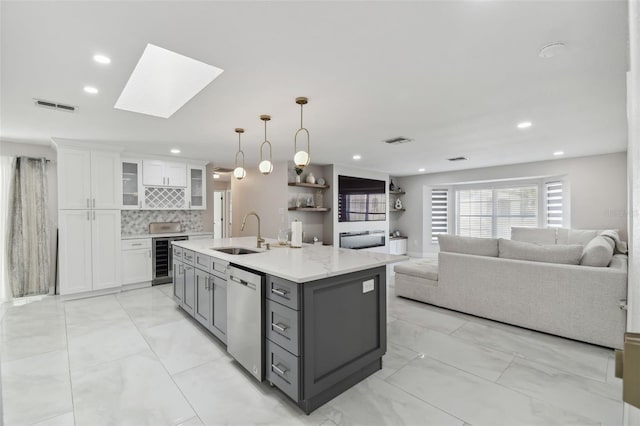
<point x="555" y="204"/>
<point x="439" y="213"/>
<point x="491" y="212"/>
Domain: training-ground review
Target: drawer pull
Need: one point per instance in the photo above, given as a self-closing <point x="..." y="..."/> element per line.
<point x="279" y="292"/>
<point x="136" y="244"/>
<point x="278" y="369"/>
<point x="279" y="327"/>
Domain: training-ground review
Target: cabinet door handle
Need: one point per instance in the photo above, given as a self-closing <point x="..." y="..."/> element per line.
<point x="168" y="181"/>
<point x="136" y="244"/>
<point x="189" y="204"/>
<point x="279" y="292"/>
<point x="278" y="370"/>
<point x="88" y="218"/>
<point x="94" y="215"/>
<point x="279" y="327"/>
<point x="88" y="205"/>
<point x="94" y="203"/>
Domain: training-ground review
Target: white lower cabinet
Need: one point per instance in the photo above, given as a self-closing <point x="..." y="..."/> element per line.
<point x="398" y="246"/>
<point x="136" y="261"/>
<point x="89" y="255"/>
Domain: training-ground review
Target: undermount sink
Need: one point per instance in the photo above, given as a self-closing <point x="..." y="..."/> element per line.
<point x="235" y="250"/>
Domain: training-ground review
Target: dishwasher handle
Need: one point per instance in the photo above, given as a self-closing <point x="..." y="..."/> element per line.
<point x="242" y="282"/>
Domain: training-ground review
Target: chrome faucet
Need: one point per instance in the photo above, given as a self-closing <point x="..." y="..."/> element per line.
<point x="244" y="222"/>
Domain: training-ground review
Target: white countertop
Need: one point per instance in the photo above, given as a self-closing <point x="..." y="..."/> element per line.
<point x="170" y="234"/>
<point x="309" y="263"/>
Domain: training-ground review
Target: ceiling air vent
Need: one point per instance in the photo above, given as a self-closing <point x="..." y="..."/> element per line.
<point x="54" y="105"/>
<point x="397" y="140"/>
<point x="457" y="159"/>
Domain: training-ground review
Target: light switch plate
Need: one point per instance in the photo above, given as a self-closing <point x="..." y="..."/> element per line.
<point x="368" y="285"/>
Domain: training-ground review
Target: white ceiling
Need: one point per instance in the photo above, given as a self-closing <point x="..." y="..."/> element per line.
<point x="455" y="76"/>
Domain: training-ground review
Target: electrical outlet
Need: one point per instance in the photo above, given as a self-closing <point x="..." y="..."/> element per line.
<point x="368" y="286"/>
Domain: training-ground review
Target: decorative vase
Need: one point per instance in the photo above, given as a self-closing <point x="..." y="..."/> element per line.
<point x="297" y="178"/>
<point x="319" y="199"/>
<point x="311" y="178"/>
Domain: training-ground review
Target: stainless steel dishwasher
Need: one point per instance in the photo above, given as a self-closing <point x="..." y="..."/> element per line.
<point x="245" y="335"/>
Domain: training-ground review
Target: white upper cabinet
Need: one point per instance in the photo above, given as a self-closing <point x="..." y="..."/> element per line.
<point x="88" y="179"/>
<point x="164" y="173"/>
<point x="197" y="187"/>
<point x="132" y="190"/>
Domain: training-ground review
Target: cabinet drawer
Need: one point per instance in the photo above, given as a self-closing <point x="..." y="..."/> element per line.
<point x="202" y="262"/>
<point x="218" y="267"/>
<point x="135" y="244"/>
<point x="283" y="370"/>
<point x="177" y="253"/>
<point x="282" y="326"/>
<point x="188" y="256"/>
<point x="282" y="291"/>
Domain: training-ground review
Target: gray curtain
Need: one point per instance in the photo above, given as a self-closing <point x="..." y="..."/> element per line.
<point x="29" y="251"/>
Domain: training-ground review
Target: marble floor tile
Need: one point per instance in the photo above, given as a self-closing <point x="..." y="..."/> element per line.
<point x="415" y="312"/>
<point x="375" y="402"/>
<point x="90" y="348"/>
<point x="155" y="310"/>
<point x="396" y="357"/>
<point x="574" y="357"/>
<point x="476" y="400"/>
<point x="35" y="389"/>
<point x="223" y="394"/>
<point x="479" y="360"/>
<point x="66" y="419"/>
<point x="166" y="289"/>
<point x="598" y="401"/>
<point x="94" y="313"/>
<point x="27" y="346"/>
<point x="181" y="345"/>
<point x="135" y="390"/>
<point x="193" y="421"/>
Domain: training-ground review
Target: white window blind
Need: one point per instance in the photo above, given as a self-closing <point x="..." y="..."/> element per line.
<point x="555" y="204"/>
<point x="439" y="213"/>
<point x="491" y="212"/>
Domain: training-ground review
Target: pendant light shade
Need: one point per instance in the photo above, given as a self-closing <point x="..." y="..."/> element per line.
<point x="265" y="166"/>
<point x="301" y="157"/>
<point x="239" y="172"/>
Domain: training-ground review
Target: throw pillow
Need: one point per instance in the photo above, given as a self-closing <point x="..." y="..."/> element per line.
<point x="549" y="253"/>
<point x="534" y="235"/>
<point x="598" y="252"/>
<point x="468" y="245"/>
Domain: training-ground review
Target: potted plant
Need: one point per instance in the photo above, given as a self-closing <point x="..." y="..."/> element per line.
<point x="298" y="173"/>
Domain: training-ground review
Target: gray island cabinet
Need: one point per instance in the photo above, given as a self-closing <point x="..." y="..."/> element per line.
<point x="323" y="310"/>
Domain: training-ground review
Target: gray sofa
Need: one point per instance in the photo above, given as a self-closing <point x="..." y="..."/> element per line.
<point x="481" y="277"/>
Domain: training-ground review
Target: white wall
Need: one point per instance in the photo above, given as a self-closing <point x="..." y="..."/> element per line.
<point x="37" y="151"/>
<point x="266" y="195"/>
<point x="212" y="185"/>
<point x="597" y="185"/>
<point x="632" y="415"/>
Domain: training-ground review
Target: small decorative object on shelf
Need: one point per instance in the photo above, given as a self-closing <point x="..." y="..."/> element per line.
<point x="319" y="198"/>
<point x="298" y="202"/>
<point x="398" y="204"/>
<point x="310" y="178"/>
<point x="321" y="181"/>
<point x="298" y="173"/>
<point x="392" y="186"/>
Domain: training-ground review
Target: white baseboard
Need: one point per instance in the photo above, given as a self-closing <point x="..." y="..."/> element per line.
<point x="135" y="286"/>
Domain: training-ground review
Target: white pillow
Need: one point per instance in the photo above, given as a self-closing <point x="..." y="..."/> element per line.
<point x="468" y="245"/>
<point x="549" y="253"/>
<point x="534" y="235"/>
<point x="598" y="252"/>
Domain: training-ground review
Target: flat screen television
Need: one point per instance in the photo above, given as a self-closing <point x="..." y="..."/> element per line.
<point x="361" y="200"/>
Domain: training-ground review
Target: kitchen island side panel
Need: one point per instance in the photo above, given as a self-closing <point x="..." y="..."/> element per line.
<point x="344" y="331"/>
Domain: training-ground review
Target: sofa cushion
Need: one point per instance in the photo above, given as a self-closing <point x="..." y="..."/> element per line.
<point x="423" y="268"/>
<point x="598" y="252"/>
<point x="534" y="235"/>
<point x="576" y="236"/>
<point x="549" y="253"/>
<point x="468" y="245"/>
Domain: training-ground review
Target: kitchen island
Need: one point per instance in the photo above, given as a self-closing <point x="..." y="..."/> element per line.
<point x="321" y="325"/>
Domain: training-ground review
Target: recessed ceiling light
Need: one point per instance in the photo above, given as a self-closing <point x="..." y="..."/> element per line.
<point x="357" y="157"/>
<point x="551" y="50"/>
<point x="421" y="170"/>
<point x="216" y="176"/>
<point x="525" y="125"/>
<point x="175" y="151"/>
<point x="163" y="82"/>
<point x="101" y="59"/>
<point x="90" y="89"/>
<point x="558" y="153"/>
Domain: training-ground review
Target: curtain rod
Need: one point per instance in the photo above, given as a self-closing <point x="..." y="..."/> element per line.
<point x="33" y="158"/>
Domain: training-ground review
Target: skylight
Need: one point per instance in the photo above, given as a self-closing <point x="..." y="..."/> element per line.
<point x="163" y="81"/>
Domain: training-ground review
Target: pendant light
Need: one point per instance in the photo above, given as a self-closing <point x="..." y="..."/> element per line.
<point x="239" y="172"/>
<point x="265" y="166"/>
<point x="301" y="158"/>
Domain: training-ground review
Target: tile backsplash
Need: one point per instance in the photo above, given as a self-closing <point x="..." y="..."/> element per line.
<point x="136" y="222"/>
